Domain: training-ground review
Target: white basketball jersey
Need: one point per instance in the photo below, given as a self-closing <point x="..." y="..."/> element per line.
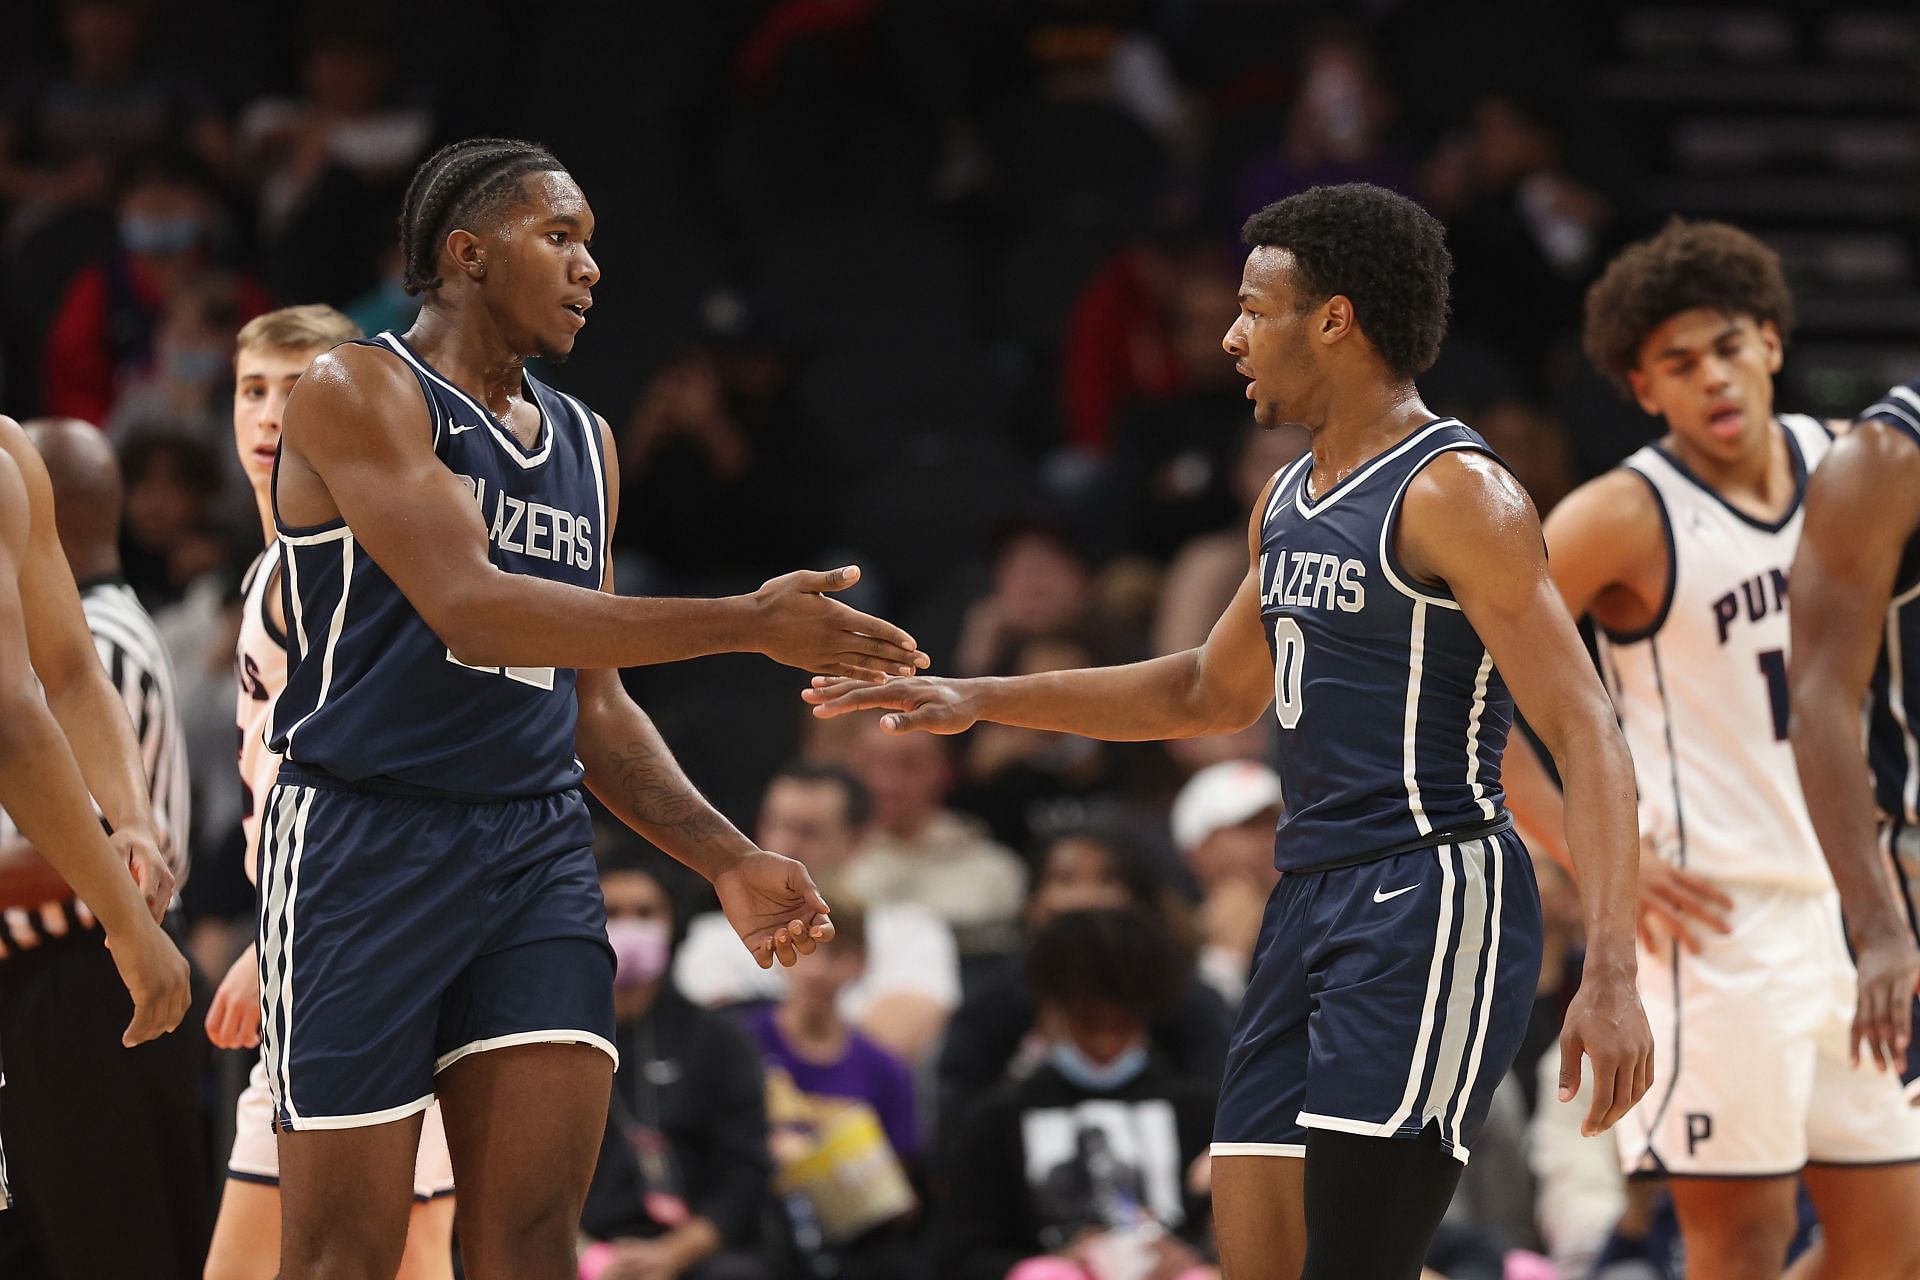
<point x="260" y="673"/>
<point x="1702" y="693"/>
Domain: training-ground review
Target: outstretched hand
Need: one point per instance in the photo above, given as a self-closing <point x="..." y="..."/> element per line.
<point x="772" y="903"/>
<point x="931" y="703"/>
<point x="800" y="626"/>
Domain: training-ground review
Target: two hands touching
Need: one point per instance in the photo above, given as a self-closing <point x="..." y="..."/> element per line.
<point x="155" y="973"/>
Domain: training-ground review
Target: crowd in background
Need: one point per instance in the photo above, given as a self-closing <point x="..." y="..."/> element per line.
<point x="940" y="295"/>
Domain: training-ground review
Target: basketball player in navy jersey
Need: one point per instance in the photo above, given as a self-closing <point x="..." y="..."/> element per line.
<point x="431" y="922"/>
<point x="1396" y="589"/>
<point x="1856" y="642"/>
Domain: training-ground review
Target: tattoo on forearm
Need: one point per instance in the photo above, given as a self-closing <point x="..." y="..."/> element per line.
<point x="660" y="795"/>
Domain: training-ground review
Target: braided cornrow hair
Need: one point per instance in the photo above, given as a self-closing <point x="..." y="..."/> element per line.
<point x="453" y="184"/>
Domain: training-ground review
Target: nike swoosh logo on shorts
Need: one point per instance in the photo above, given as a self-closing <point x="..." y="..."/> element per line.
<point x="1378" y="896"/>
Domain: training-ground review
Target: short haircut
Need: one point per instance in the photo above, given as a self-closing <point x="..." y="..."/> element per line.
<point x="853" y="792"/>
<point x="1115" y="956"/>
<point x="459" y="183"/>
<point x="1378" y="249"/>
<point x="296" y="329"/>
<point x="1688" y="265"/>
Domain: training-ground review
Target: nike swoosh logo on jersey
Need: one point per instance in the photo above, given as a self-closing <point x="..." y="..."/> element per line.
<point x="1378" y="896"/>
<point x="455" y="428"/>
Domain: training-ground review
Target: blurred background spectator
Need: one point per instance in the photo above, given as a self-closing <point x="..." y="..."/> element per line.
<point x="940" y="291"/>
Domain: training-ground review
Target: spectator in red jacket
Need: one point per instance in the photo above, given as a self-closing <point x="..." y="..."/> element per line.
<point x="103" y="333"/>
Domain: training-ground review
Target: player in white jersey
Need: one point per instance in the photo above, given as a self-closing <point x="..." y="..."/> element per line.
<point x="271" y="354"/>
<point x="1681" y="558"/>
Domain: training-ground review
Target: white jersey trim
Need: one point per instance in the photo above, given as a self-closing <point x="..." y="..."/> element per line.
<point x="1441" y="930"/>
<point x="1291" y="1150"/>
<point x="335" y="626"/>
<point x="527" y="460"/>
<point x="559" y="1035"/>
<point x="1352" y="482"/>
<point x="1416" y="666"/>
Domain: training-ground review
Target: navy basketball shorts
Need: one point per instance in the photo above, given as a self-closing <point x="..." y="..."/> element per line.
<point x="1385" y="997"/>
<point x="398" y="934"/>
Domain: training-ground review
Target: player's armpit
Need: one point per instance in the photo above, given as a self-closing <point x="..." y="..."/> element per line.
<point x="1607" y="551"/>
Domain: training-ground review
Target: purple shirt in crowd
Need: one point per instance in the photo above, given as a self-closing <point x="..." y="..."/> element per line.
<point x="865" y="1072"/>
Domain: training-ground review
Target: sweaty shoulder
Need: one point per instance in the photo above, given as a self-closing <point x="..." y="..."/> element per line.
<point x="353" y="387"/>
<point x="1459" y="507"/>
<point x="1875" y="466"/>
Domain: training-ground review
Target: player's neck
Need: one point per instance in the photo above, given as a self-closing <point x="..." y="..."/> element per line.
<point x="1363" y="423"/>
<point x="469" y="352"/>
<point x="263" y="505"/>
<point x="1758" y="474"/>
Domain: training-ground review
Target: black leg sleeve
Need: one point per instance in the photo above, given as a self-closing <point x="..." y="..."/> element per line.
<point x="1373" y="1204"/>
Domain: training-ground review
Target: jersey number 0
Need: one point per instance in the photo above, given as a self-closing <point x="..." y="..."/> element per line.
<point x="1289" y="659"/>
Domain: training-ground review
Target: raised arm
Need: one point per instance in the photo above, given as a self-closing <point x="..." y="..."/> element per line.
<point x="770" y="900"/>
<point x="1862" y="506"/>
<point x="1466" y="522"/>
<point x="1221" y="687"/>
<point x="42" y="791"/>
<point x="357" y="443"/>
<point x="78" y="692"/>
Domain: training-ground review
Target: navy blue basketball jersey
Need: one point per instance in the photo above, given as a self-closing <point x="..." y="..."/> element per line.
<point x="376" y="699"/>
<point x="1392" y="716"/>
<point x="1893" y="711"/>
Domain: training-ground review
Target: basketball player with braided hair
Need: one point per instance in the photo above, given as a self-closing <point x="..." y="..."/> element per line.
<point x="431" y="922"/>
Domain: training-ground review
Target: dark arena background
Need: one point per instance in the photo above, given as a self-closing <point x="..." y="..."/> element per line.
<point x="938" y="288"/>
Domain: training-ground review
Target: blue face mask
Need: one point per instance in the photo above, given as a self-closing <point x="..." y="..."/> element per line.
<point x="194" y="365"/>
<point x="1067" y="1058"/>
<point x="142" y="234"/>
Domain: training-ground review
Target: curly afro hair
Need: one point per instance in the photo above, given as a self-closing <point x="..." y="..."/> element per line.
<point x="1688" y="265"/>
<point x="1377" y="248"/>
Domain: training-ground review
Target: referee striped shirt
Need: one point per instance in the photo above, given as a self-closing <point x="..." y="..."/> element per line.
<point x="136" y="662"/>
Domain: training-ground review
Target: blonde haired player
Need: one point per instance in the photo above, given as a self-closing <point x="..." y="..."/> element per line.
<point x="270" y="355"/>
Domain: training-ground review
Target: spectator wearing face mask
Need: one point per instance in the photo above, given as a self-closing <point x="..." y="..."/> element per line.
<point x="1092" y="1167"/>
<point x="681" y="1185"/>
<point x="997" y="1036"/>
<point x="189" y="386"/>
<point x="104" y="333"/>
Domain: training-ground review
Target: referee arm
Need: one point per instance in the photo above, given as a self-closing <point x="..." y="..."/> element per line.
<point x="83" y="701"/>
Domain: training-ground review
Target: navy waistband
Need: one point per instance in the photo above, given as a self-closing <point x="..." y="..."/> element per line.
<point x="1432" y="840"/>
<point x="320" y="780"/>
